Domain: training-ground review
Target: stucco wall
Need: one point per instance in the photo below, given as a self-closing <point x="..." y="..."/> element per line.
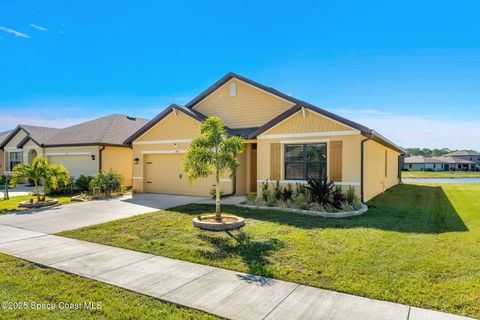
<point x="171" y="135"/>
<point x="120" y="159"/>
<point x="375" y="180"/>
<point x="251" y="107"/>
<point x="326" y="131"/>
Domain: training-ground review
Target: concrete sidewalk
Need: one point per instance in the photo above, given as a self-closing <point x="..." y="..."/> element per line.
<point x="222" y="292"/>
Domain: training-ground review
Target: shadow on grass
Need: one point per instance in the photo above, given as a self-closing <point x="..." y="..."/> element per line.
<point x="238" y="244"/>
<point x="404" y="208"/>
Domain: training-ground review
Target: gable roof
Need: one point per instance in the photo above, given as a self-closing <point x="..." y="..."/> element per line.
<point x="4" y="135"/>
<point x="230" y="76"/>
<point x="251" y="133"/>
<point x="37" y="134"/>
<point x="463" y="153"/>
<point x="147" y="126"/>
<point x="109" y="130"/>
<point x="299" y="104"/>
<point x="441" y="159"/>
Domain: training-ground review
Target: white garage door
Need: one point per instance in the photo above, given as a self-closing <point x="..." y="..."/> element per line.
<point x="164" y="174"/>
<point x="76" y="164"/>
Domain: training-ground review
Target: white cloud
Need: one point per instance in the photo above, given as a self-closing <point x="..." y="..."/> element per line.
<point x="36" y="26"/>
<point x="14" y="32"/>
<point x="419" y="131"/>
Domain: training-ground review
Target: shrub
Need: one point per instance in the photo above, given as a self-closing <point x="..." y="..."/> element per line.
<point x="271" y="198"/>
<point x="265" y="190"/>
<point x="338" y="198"/>
<point x="251" y="197"/>
<point x="108" y="182"/>
<point x="321" y="190"/>
<point x="286" y="193"/>
<point x="64" y="188"/>
<point x="277" y="190"/>
<point x="299" y="200"/>
<point x="82" y="184"/>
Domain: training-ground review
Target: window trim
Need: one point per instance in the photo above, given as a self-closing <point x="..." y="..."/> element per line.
<point x="305" y="162"/>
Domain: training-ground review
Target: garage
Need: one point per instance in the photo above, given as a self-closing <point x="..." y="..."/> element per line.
<point x="76" y="164"/>
<point x="164" y="174"/>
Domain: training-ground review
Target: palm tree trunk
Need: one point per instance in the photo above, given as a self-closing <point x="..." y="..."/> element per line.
<point x="37" y="192"/>
<point x="218" y="215"/>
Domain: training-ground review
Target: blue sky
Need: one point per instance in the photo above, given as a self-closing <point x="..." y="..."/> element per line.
<point x="409" y="69"/>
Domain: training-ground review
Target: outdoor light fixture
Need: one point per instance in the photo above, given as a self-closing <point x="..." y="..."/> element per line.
<point x="136" y="160"/>
<point x="92" y="156"/>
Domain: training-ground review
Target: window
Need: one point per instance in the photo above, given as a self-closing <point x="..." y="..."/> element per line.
<point x="14" y="158"/>
<point x="305" y="160"/>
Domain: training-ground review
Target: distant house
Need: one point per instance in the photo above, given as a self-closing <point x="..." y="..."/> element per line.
<point x="85" y="148"/>
<point x="3" y="136"/>
<point x="443" y="163"/>
<point x="470" y="155"/>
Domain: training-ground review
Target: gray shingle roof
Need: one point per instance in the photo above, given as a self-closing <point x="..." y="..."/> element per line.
<point x="463" y="153"/>
<point x="442" y="159"/>
<point x="109" y="130"/>
<point x="4" y="135"/>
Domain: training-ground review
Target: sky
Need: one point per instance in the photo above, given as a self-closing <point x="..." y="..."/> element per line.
<point x="408" y="69"/>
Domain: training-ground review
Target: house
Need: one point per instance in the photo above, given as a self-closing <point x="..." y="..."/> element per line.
<point x="421" y="163"/>
<point x="469" y="155"/>
<point x="442" y="163"/>
<point x="3" y="136"/>
<point x="286" y="139"/>
<point x="85" y="148"/>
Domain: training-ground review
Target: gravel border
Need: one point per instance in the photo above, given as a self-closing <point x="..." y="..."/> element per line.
<point x="343" y="214"/>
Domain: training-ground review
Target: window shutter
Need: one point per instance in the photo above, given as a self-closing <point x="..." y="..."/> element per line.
<point x="275" y="161"/>
<point x="335" y="161"/>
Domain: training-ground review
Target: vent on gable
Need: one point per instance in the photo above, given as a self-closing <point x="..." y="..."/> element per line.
<point x="233" y="89"/>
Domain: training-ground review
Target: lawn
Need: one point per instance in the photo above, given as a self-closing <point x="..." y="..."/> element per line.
<point x="22" y="281"/>
<point x="418" y="245"/>
<point x="440" y="174"/>
<point x="12" y="204"/>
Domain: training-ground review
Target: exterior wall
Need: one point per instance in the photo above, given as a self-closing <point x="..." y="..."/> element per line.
<point x="78" y="160"/>
<point x="306" y="122"/>
<point x="120" y="159"/>
<point x="251" y="107"/>
<point x="424" y="166"/>
<point x="171" y="135"/>
<point x="375" y="180"/>
<point x="317" y="129"/>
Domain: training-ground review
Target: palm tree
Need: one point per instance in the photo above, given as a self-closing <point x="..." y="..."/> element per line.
<point x="211" y="154"/>
<point x="40" y="172"/>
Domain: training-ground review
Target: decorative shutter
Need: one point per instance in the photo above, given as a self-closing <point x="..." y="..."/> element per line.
<point x="335" y="154"/>
<point x="275" y="161"/>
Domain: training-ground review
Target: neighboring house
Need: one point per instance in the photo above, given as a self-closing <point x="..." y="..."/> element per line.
<point x="443" y="163"/>
<point x="466" y="155"/>
<point x="286" y="139"/>
<point x="3" y="136"/>
<point x="85" y="148"/>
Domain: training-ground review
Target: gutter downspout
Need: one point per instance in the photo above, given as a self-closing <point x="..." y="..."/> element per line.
<point x="100" y="158"/>
<point x="362" y="162"/>
<point x="234" y="188"/>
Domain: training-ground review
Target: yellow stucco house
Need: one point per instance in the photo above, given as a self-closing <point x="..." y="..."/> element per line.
<point x="286" y="139"/>
<point x="85" y="148"/>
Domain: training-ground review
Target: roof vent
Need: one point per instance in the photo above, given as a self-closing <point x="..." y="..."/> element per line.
<point x="131" y="118"/>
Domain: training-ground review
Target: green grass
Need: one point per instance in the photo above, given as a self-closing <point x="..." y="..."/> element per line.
<point x="22" y="281"/>
<point x="440" y="174"/>
<point x="418" y="245"/>
<point x="12" y="204"/>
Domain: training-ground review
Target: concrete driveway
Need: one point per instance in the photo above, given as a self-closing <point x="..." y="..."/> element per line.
<point x="77" y="215"/>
